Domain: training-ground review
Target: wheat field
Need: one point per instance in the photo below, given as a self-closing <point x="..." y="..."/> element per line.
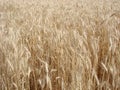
<point x="60" y="45"/>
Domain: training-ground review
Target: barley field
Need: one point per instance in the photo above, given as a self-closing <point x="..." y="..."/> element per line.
<point x="59" y="44"/>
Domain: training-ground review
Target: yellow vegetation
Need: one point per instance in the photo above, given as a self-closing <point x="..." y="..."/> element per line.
<point x="60" y="45"/>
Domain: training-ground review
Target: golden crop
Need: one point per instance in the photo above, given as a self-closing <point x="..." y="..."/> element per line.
<point x="60" y="45"/>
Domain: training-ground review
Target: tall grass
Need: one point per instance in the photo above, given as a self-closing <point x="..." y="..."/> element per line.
<point x="60" y="45"/>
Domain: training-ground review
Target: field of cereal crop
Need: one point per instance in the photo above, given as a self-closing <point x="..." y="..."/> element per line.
<point x="60" y="45"/>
